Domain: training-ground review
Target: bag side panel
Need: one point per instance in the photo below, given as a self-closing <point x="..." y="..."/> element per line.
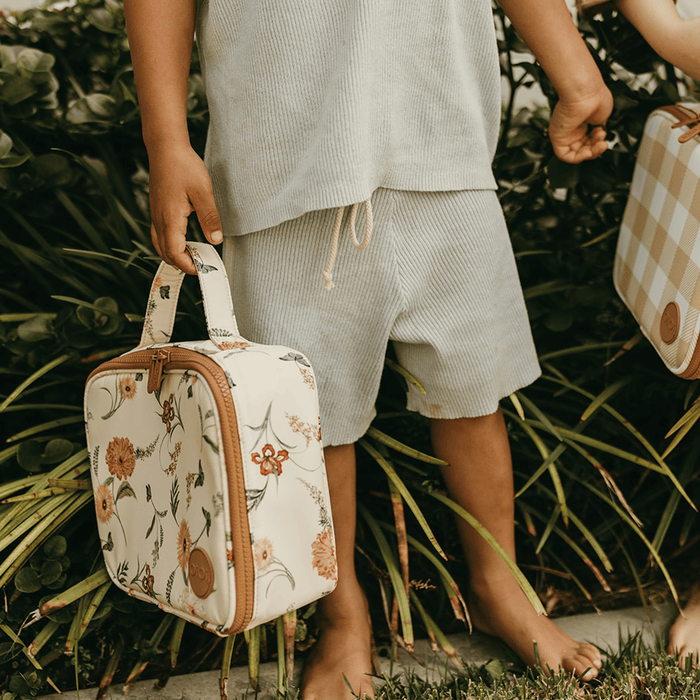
<point x="286" y="488"/>
<point x="160" y="493"/>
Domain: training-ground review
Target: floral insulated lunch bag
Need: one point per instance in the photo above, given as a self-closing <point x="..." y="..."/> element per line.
<point x="207" y="466"/>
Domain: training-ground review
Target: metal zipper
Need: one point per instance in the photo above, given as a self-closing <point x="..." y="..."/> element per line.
<point x="157" y="361"/>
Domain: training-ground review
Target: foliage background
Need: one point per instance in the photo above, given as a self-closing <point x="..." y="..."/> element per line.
<point x="76" y="266"/>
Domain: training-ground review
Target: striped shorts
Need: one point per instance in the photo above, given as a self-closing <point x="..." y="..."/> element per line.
<point x="438" y="278"/>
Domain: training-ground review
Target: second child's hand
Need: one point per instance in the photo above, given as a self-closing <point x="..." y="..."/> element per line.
<point x="576" y="128"/>
<point x="179" y="186"/>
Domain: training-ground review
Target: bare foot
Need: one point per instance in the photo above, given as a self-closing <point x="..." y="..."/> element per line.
<point x="504" y="612"/>
<point x="343" y="651"/>
<point x="684" y="635"/>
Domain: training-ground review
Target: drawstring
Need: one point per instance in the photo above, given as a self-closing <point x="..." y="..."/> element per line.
<point x="369" y="222"/>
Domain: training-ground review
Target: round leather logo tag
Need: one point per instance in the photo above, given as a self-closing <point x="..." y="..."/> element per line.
<point x="200" y="573"/>
<point x="670" y="322"/>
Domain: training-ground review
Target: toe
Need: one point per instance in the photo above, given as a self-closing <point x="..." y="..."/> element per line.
<point x="584" y="668"/>
<point x="593" y="655"/>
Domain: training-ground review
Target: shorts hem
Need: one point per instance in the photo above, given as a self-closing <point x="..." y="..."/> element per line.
<point x="432" y="407"/>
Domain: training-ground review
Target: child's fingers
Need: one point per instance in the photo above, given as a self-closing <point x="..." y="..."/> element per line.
<point x="168" y="236"/>
<point x="207" y="214"/>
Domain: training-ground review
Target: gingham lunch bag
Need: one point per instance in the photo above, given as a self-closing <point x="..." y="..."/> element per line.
<point x="657" y="262"/>
<point x="588" y="8"/>
<point x="207" y="466"/>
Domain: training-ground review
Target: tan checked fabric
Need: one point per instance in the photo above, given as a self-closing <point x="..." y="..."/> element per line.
<point x="588" y="8"/>
<point x="657" y="262"/>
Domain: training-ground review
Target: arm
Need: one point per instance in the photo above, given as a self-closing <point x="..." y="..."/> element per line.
<point x="675" y="39"/>
<point x="160" y="37"/>
<point x="585" y="103"/>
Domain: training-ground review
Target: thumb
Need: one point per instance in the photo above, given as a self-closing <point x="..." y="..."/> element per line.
<point x="207" y="215"/>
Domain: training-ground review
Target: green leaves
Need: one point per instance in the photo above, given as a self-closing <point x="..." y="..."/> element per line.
<point x="96" y="108"/>
<point x="33" y="455"/>
<point x="26" y="80"/>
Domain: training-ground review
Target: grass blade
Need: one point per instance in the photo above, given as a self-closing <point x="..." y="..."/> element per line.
<point x="401" y="534"/>
<point x="539" y="414"/>
<point x="176" y="640"/>
<point x="30" y="380"/>
<point x="226" y="665"/>
<point x="253" y="639"/>
<point x="551" y="469"/>
<point x="495" y="545"/>
<point x="604" y="396"/>
<point x="289" y="628"/>
<point x="394" y="477"/>
<point x="404" y="449"/>
<point x="394" y="576"/>
<point x="110" y="670"/>
<point x="99" y="578"/>
<point x="652" y="550"/>
<point x="405" y="374"/>
<point x="437" y="633"/>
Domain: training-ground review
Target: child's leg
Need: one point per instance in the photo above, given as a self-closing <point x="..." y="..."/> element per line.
<point x="684" y="635"/>
<point x="480" y="479"/>
<point x="343" y="648"/>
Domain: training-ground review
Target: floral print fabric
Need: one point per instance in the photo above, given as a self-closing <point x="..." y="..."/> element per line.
<point x="161" y="479"/>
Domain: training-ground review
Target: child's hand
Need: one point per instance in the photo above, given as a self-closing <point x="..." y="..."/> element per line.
<point x="576" y="128"/>
<point x="180" y="185"/>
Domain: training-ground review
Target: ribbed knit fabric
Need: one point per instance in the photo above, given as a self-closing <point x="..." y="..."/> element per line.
<point x="316" y="103"/>
<point x="438" y="278"/>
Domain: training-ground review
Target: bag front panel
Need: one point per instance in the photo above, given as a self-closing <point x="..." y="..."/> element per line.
<point x="160" y="492"/>
<point x="656" y="263"/>
<point x="286" y="488"/>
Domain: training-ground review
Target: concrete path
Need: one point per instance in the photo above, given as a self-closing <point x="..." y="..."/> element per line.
<point x="476" y="649"/>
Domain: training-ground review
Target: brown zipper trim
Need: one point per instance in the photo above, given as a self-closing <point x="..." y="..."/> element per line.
<point x="172" y="358"/>
<point x="691" y="371"/>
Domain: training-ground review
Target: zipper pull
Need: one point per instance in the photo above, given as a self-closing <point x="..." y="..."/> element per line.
<point x="155" y="373"/>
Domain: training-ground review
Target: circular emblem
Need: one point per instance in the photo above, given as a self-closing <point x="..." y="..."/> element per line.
<point x="200" y="573"/>
<point x="670" y="322"/>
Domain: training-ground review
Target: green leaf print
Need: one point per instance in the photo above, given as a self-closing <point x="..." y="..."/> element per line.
<point x="211" y="444"/>
<point x="125" y="491"/>
<point x="199" y="481"/>
<point x="175" y="499"/>
<point x="207" y="519"/>
<point x="150" y="527"/>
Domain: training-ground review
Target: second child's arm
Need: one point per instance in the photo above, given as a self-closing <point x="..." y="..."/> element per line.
<point x="160" y="37"/>
<point x="585" y="103"/>
<point x="675" y="39"/>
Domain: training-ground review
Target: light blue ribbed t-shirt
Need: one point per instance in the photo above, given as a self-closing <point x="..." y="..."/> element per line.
<point x="316" y="103"/>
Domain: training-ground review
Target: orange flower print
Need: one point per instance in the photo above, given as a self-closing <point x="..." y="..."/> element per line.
<point x="104" y="503"/>
<point x="307" y="377"/>
<point x="148" y="580"/>
<point x="235" y="345"/>
<point x="269" y="461"/>
<point x="127" y="388"/>
<point x="263" y="554"/>
<point x="157" y="281"/>
<point x="168" y="412"/>
<point x="120" y="458"/>
<point x="310" y="432"/>
<point x="184" y="545"/>
<point x="324" y="555"/>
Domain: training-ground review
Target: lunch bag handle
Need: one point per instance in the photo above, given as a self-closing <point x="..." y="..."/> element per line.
<point x="216" y="295"/>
